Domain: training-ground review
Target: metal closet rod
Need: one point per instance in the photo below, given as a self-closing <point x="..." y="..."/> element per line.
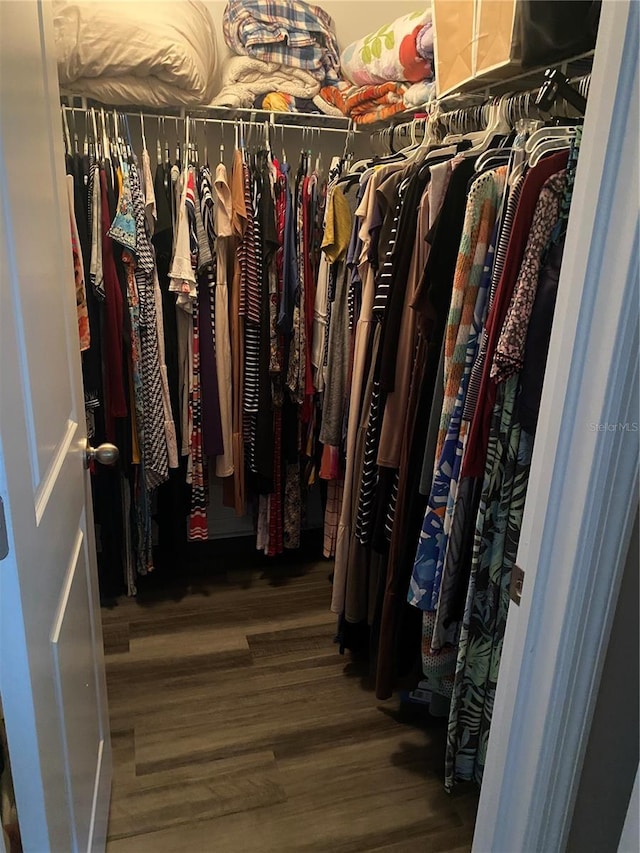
<point x="249" y="117"/>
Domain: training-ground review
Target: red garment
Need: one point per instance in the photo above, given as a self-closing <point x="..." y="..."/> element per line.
<point x="478" y="441"/>
<point x="276" y="528"/>
<point x="115" y="397"/>
<point x="276" y="499"/>
<point x="198" y="527"/>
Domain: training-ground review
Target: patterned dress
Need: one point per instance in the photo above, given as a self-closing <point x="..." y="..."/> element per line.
<point x="497" y="528"/>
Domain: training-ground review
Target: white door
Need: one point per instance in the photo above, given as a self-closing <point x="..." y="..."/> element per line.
<point x="52" y="669"/>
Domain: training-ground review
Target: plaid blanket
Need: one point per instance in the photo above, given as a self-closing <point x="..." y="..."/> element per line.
<point x="366" y="104"/>
<point x="289" y="32"/>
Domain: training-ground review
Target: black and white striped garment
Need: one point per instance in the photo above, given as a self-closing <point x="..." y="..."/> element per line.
<point x="190" y="204"/>
<point x="154" y="443"/>
<point x="252" y="190"/>
<point x="369" y="481"/>
<point x="391" y="511"/>
<point x="205" y="187"/>
<point x="206" y="258"/>
<point x="96" y="276"/>
<point x="250" y="273"/>
<point x="475" y="379"/>
<point x="385" y="277"/>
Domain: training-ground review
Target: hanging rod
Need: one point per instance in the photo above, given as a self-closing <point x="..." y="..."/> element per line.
<point x="219" y="115"/>
<point x="473" y="114"/>
<point x="527" y="78"/>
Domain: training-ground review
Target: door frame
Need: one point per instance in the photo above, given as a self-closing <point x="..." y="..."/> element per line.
<point x="583" y="487"/>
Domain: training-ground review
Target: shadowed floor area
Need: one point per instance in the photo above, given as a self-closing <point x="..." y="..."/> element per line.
<point x="237" y="726"/>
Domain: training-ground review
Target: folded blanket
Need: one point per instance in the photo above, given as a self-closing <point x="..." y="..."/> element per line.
<point x="419" y="94"/>
<point x="392" y="53"/>
<point x="289" y="32"/>
<point x="244" y="78"/>
<point x="366" y="104"/>
<point x="135" y="53"/>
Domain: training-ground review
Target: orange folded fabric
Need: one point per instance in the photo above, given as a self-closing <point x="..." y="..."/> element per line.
<point x="366" y="104"/>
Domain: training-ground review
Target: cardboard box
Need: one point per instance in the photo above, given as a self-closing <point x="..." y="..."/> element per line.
<point x="475" y="42"/>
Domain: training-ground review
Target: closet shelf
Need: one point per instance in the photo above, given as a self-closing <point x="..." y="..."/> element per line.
<point x="223" y="115"/>
<point x="530" y="78"/>
<point x="478" y="91"/>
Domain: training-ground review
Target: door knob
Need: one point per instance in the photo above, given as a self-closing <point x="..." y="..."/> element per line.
<point x="106" y="454"/>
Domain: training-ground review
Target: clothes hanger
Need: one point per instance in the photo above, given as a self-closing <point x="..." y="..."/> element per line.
<point x="167" y="151"/>
<point x="501" y="155"/>
<point x="497" y="126"/>
<point x="548" y="133"/>
<point x="548" y="146"/>
<point x="75" y="131"/>
<point x="128" y="142"/>
<point x="113" y="141"/>
<point x="106" y="147"/>
<point x="85" y="143"/>
<point x="178" y="151"/>
<point x="144" y="139"/>
<point x="158" y="145"/>
<point x="67" y="135"/>
<point x="205" y="124"/>
<point x="366" y="167"/>
<point x="98" y="153"/>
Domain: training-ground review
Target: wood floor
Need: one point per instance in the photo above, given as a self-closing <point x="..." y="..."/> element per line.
<point x="237" y="726"/>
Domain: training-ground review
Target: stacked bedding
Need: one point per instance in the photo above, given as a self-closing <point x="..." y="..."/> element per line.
<point x="287" y="49"/>
<point x="388" y="71"/>
<point x="136" y="53"/>
<point x="291" y="33"/>
<point x="244" y="79"/>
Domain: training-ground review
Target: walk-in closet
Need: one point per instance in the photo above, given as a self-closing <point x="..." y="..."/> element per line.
<point x="318" y="425"/>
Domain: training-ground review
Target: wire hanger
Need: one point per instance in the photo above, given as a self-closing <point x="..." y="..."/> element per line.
<point x="75" y="131"/>
<point x="99" y="154"/>
<point x="221" y="152"/>
<point x="158" y="145"/>
<point x="144" y="140"/>
<point x="67" y="135"/>
<point x="178" y="151"/>
<point x="127" y="140"/>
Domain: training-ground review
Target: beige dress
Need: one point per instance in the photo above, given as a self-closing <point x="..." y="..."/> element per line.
<point x="223" y="215"/>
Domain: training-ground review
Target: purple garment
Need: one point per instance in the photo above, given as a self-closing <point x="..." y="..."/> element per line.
<point x="424" y="42"/>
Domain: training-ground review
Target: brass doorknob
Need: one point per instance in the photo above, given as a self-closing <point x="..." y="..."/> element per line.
<point x="105" y="454"/>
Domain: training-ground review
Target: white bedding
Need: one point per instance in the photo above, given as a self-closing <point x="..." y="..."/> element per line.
<point x="156" y="54"/>
<point x="244" y="78"/>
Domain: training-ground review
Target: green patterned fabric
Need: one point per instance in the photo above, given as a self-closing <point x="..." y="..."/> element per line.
<point x="495" y="547"/>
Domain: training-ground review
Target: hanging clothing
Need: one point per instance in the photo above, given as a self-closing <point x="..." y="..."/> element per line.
<point x="478" y="434"/>
<point x="84" y="333"/>
<point x="234" y="491"/>
<point x="223" y="214"/>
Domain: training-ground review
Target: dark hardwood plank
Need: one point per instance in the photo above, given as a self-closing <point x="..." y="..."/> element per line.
<point x="237" y="726"/>
<point x="115" y="637"/>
